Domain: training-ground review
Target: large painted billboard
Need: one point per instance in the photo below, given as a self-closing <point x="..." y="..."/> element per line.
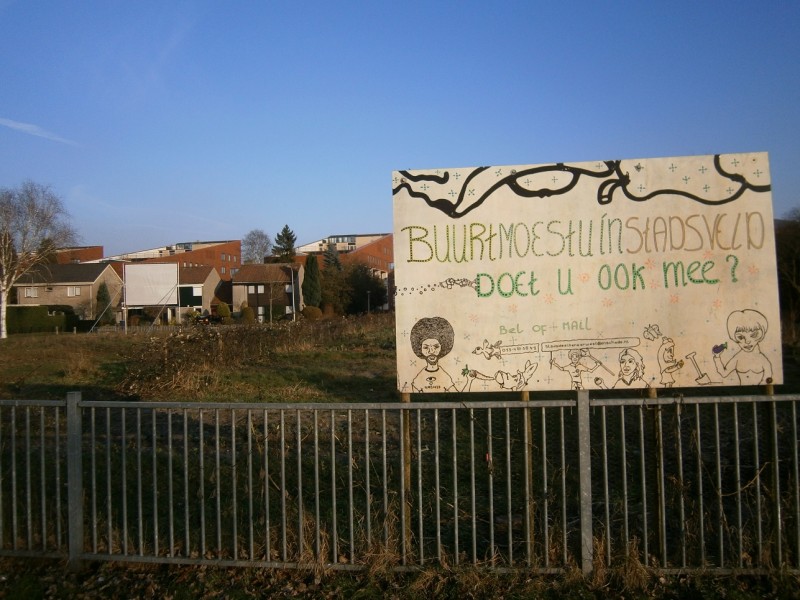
<point x="624" y="274"/>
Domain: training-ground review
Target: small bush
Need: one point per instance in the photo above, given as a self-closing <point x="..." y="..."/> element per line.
<point x="248" y="316"/>
<point x="223" y="310"/>
<point x="312" y="313"/>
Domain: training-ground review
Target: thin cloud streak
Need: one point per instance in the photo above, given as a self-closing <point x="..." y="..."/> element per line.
<point x="32" y="129"/>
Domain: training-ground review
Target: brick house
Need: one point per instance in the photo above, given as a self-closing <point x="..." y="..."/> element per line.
<point x="199" y="289"/>
<point x="74" y="285"/>
<point x="271" y="290"/>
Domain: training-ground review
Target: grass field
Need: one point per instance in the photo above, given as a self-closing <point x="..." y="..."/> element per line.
<point x="343" y="360"/>
<point x="337" y="360"/>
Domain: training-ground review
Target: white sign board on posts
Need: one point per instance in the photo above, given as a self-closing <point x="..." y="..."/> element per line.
<point x="151" y="284"/>
<point x="617" y="274"/>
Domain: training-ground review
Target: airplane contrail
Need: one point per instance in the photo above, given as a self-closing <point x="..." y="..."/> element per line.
<point x="32" y="129"/>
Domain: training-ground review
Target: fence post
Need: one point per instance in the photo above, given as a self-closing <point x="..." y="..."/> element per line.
<point x="405" y="511"/>
<point x="74" y="480"/>
<point x="585" y="470"/>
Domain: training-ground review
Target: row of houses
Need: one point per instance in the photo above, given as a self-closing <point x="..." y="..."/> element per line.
<point x="208" y="274"/>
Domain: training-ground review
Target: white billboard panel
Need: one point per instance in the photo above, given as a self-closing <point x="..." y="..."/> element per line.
<point x="612" y="274"/>
<point x="151" y="284"/>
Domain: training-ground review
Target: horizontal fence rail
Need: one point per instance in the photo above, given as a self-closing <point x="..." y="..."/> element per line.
<point x="673" y="484"/>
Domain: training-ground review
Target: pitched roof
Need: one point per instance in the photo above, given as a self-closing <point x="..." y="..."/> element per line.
<point x="194" y="275"/>
<point x="263" y="273"/>
<point x="71" y="273"/>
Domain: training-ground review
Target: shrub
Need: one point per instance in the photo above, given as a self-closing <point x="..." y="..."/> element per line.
<point x="36" y="319"/>
<point x="223" y="310"/>
<point x="312" y="313"/>
<point x="248" y="316"/>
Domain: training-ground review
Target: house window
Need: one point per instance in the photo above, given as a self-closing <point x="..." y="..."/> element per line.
<point x="31" y="292"/>
<point x="223" y="257"/>
<point x="223" y="270"/>
<point x="73" y="290"/>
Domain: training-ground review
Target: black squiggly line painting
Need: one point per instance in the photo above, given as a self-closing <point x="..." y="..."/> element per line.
<point x="613" y="181"/>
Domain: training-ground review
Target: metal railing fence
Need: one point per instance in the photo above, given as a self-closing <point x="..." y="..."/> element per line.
<point x="676" y="484"/>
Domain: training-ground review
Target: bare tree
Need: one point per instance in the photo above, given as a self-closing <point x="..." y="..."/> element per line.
<point x="33" y="222"/>
<point x="256" y="245"/>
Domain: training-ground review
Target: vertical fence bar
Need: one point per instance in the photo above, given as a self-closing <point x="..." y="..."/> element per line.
<point x="75" y="479"/>
<point x="109" y="512"/>
<point x="251" y="517"/>
<point x="155" y="484"/>
<point x="738" y="483"/>
<point x="187" y="547"/>
<point x="698" y="441"/>
<point x="317" y="533"/>
<point x="93" y="468"/>
<point x="564" y="524"/>
<point x="489" y="464"/>
<point x="404" y="469"/>
<point x="202" y="483"/>
<point x="776" y="475"/>
<point x="421" y="541"/>
<point x="42" y="479"/>
<point x="681" y="480"/>
<point x="509" y="515"/>
<point x="405" y="461"/>
<point x="585" y="481"/>
<point x="284" y="548"/>
<point x="234" y="491"/>
<point x="218" y="481"/>
<point x="267" y="529"/>
<point x="526" y="457"/>
<point x="796" y="484"/>
<point x="28" y="484"/>
<point x="455" y="487"/>
<point x="57" y="434"/>
<point x="124" y="479"/>
<point x="2" y="512"/>
<point x="334" y="521"/>
<point x="14" y="523"/>
<point x="545" y="494"/>
<point x="299" y="440"/>
<point x="643" y="475"/>
<point x="606" y="498"/>
<point x="473" y="514"/>
<point x="368" y="491"/>
<point x="625" y="517"/>
<point x="720" y="510"/>
<point x="436" y="485"/>
<point x="385" y="483"/>
<point x="170" y="488"/>
<point x="757" y="465"/>
<point x="140" y="506"/>
<point x="351" y="521"/>
<point x="662" y="503"/>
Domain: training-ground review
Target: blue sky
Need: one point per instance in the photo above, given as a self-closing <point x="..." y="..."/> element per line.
<point x="171" y="121"/>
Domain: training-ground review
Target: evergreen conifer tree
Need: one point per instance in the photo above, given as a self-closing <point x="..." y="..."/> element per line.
<point x="312" y="287"/>
<point x="284" y="245"/>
